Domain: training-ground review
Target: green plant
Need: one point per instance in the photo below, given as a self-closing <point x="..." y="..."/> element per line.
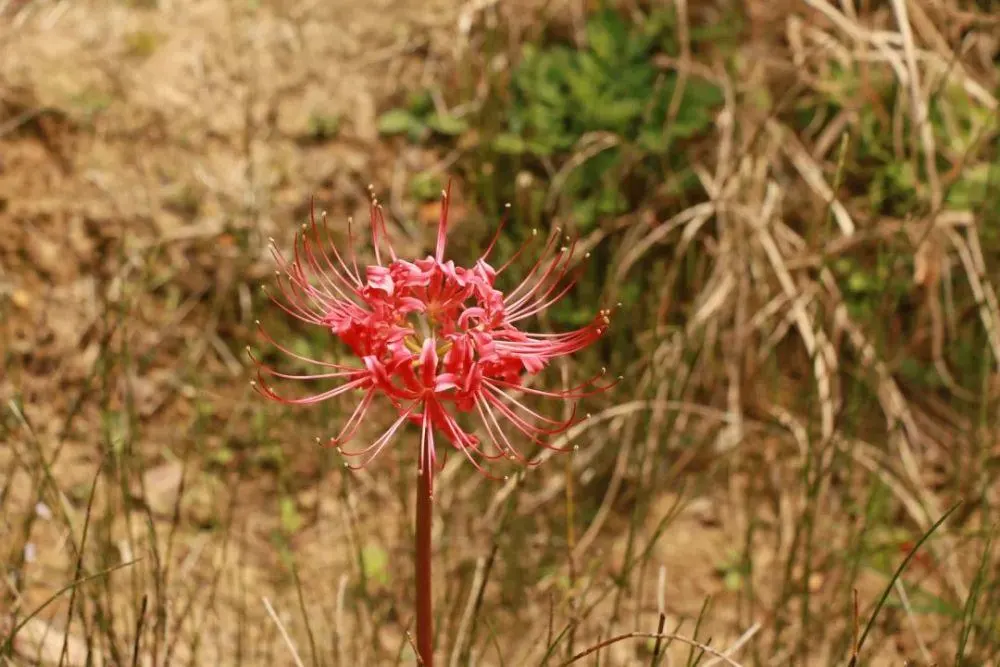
<point x="323" y="126"/>
<point x="561" y="96"/>
<point x="612" y="85"/>
<point x="419" y="119"/>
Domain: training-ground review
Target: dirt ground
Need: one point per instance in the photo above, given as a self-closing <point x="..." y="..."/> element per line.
<point x="146" y="154"/>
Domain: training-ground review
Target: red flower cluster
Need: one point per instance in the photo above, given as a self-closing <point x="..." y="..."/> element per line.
<point x="436" y="339"/>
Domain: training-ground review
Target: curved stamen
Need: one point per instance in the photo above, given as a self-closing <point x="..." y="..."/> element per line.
<point x="443" y="224"/>
<point x="376" y="447"/>
<point x="469" y="355"/>
<point x="294" y="355"/>
<point x="262" y="387"/>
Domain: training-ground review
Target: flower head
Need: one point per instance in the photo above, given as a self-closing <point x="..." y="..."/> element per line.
<point x="439" y="341"/>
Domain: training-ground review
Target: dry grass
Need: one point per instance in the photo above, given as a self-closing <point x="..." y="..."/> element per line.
<point x="745" y="495"/>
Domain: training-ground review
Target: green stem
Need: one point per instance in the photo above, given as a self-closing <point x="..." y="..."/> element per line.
<point x="425" y="620"/>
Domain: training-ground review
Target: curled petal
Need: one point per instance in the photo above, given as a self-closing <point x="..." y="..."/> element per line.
<point x="380" y="278"/>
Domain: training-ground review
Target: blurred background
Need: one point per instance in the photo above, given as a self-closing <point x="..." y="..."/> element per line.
<point x="797" y="203"/>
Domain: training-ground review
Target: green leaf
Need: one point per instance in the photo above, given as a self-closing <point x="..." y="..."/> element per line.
<point x="860" y="282"/>
<point x="547" y="92"/>
<point x="733" y="581"/>
<point x="606" y="34"/>
<point x="425" y="187"/>
<point x="398" y="121"/>
<point x="583" y="87"/>
<point x="974" y="185"/>
<point x="611" y="201"/>
<point x="323" y="126"/>
<point x="695" y="113"/>
<point x="590" y="67"/>
<point x="508" y="143"/>
<point x="291" y="520"/>
<point x="544" y="146"/>
<point x="585" y="213"/>
<point x="617" y="115"/>
<point x="654" y="140"/>
<point x="375" y="562"/>
<point x="420" y="102"/>
<point x="448" y="125"/>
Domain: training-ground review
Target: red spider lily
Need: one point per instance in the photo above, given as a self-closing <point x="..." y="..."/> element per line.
<point x="438" y="340"/>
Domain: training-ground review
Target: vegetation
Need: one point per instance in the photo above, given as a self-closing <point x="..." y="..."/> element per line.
<point x="797" y="206"/>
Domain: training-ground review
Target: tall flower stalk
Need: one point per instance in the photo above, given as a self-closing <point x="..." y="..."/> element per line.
<point x="441" y="344"/>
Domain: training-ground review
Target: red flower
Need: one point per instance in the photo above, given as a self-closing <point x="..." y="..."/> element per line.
<point x="438" y="340"/>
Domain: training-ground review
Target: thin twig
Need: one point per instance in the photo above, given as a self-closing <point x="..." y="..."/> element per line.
<point x="719" y="655"/>
<point x="284" y="633"/>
